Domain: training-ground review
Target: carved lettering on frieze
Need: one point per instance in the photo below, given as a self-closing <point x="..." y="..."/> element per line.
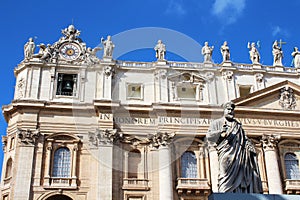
<point x="101" y="137"/>
<point x="28" y="136"/>
<point x="287" y="99"/>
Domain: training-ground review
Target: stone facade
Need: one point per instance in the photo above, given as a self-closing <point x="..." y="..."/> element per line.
<point x="85" y="128"/>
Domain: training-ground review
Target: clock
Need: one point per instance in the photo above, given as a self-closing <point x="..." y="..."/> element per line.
<point x="69" y="51"/>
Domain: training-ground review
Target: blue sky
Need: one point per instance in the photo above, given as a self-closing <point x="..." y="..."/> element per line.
<point x="236" y="21"/>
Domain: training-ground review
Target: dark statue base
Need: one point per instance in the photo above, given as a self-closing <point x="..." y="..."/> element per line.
<point x="236" y="196"/>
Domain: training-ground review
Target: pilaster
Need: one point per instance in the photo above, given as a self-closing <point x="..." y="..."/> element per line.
<point x="214" y="167"/>
<point x="24" y="168"/>
<point x="102" y="141"/>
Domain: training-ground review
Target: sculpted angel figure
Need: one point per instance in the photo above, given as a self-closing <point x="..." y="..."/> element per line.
<point x="29" y="48"/>
<point x="91" y="55"/>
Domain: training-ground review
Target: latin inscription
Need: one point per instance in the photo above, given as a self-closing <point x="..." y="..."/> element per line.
<point x="195" y="121"/>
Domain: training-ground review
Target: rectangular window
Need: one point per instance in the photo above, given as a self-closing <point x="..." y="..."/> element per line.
<point x="135" y="91"/>
<point x="66" y="84"/>
<point x="186" y="92"/>
<point x="244" y="90"/>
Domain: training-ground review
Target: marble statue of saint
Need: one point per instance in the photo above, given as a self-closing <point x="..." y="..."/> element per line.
<point x="254" y="54"/>
<point x="207" y="52"/>
<point x="29" y="48"/>
<point x="160" y="50"/>
<point x="225" y="51"/>
<point x="238" y="168"/>
<point x="108" y="46"/>
<point x="296" y="55"/>
<point x="277" y="53"/>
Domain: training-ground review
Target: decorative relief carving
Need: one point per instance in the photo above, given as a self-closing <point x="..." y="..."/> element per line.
<point x="210" y="76"/>
<point x="100" y="137"/>
<point x="259" y="77"/>
<point x="287" y="98"/>
<point x="135" y="140"/>
<point x="20" y="88"/>
<point x="160" y="139"/>
<point x="270" y="141"/>
<point x="227" y="75"/>
<point x="162" y="73"/>
<point x="108" y="70"/>
<point x="28" y="136"/>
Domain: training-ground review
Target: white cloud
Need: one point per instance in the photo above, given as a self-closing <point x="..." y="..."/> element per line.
<point x="175" y="8"/>
<point x="228" y="10"/>
<point x="279" y="31"/>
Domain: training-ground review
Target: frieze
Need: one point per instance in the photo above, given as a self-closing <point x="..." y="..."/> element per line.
<point x="162" y="120"/>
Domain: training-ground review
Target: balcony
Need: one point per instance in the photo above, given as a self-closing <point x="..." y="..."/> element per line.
<point x="60" y="182"/>
<point x="193" y="185"/>
<point x="292" y="186"/>
<point x="135" y="184"/>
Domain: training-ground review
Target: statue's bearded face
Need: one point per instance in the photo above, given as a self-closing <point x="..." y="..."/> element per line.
<point x="229" y="112"/>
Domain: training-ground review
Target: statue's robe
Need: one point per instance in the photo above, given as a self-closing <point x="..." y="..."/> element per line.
<point x="238" y="168"/>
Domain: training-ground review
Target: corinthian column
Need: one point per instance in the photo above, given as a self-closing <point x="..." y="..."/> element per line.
<point x="272" y="167"/>
<point x="162" y="141"/>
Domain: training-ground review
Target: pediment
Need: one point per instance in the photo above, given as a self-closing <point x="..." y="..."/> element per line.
<point x="282" y="96"/>
<point x="187" y="77"/>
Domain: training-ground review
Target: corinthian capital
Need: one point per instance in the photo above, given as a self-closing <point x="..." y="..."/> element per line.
<point x="106" y="136"/>
<point x="28" y="136"/>
<point x="161" y="139"/>
<point x="270" y="141"/>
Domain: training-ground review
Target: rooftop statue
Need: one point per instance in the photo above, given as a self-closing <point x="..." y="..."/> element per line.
<point x="207" y="52"/>
<point x="254" y="54"/>
<point x="277" y="53"/>
<point x="29" y="48"/>
<point x="108" y="46"/>
<point x="238" y="168"/>
<point x="160" y="50"/>
<point x="225" y="51"/>
<point x="296" y="55"/>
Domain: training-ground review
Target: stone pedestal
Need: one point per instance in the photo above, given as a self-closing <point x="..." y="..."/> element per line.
<point x="236" y="196"/>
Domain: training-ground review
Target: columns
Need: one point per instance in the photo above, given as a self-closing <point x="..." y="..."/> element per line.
<point x="162" y="141"/>
<point x="47" y="163"/>
<point x="75" y="149"/>
<point x="272" y="168"/>
<point x="165" y="173"/>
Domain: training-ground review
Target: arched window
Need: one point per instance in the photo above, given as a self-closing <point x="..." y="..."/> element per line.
<point x="8" y="168"/>
<point x="62" y="163"/>
<point x="188" y="165"/>
<point x="12" y="143"/>
<point x="59" y="197"/>
<point x="134" y="159"/>
<point x="292" y="166"/>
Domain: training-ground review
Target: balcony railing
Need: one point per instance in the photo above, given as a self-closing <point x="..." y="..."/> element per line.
<point x="135" y="184"/>
<point x="292" y="186"/>
<point x="60" y="182"/>
<point x="192" y="183"/>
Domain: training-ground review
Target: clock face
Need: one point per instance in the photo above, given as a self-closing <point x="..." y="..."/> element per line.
<point x="70" y="51"/>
